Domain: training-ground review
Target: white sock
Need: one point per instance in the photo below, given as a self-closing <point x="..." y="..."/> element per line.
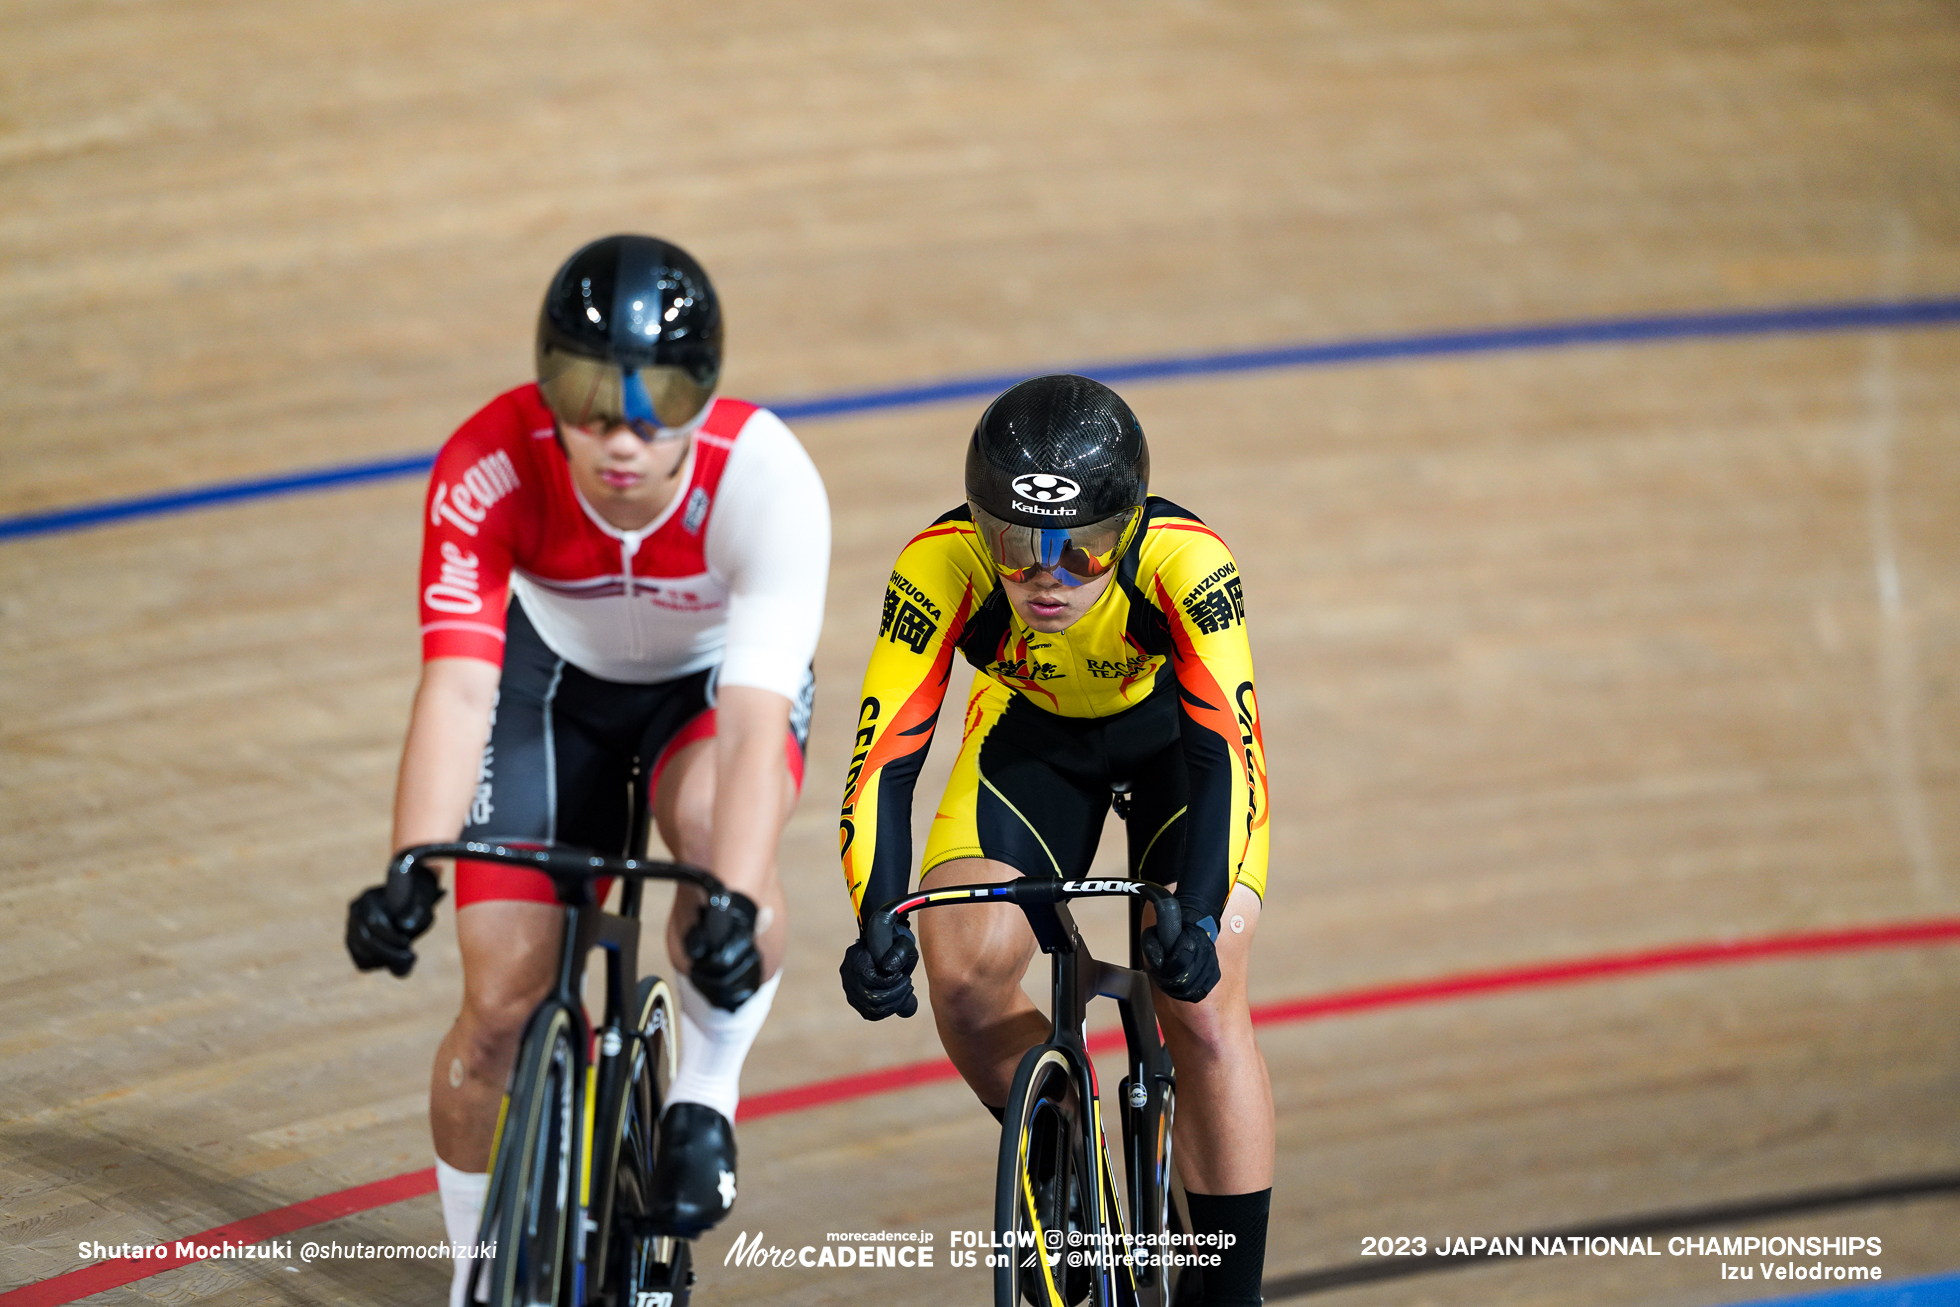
<point x="715" y="1043"/>
<point x="462" y="1212"/>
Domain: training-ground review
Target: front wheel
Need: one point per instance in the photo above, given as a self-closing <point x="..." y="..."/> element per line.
<point x="641" y="1269"/>
<point x="1042" y="1185"/>
<point x="1157" y="1205"/>
<point x="534" y="1168"/>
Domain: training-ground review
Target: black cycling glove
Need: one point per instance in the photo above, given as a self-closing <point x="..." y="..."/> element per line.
<point x="722" y="959"/>
<point x="378" y="937"/>
<point x="880" y="987"/>
<point x="1188" y="968"/>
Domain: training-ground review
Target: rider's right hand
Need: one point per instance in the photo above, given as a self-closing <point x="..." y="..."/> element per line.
<point x="378" y="937"/>
<point x="879" y="987"/>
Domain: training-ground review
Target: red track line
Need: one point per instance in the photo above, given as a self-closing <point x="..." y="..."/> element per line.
<point x="800" y="1098"/>
<point x="63" y="1289"/>
<point x="267" y="1225"/>
<point x="1901" y="935"/>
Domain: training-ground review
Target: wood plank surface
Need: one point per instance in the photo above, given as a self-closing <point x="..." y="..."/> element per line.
<point x="1561" y="652"/>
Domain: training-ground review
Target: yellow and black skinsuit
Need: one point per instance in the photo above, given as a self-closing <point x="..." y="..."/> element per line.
<point x="1152" y="686"/>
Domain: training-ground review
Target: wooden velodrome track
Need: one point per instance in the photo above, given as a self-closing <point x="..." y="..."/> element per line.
<point x="1562" y="652"/>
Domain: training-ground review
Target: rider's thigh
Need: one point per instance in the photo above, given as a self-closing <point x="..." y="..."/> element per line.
<point x="1223" y="1018"/>
<point x="978" y="947"/>
<point x="684" y="800"/>
<point x="510" y="959"/>
<point x="1236" y="925"/>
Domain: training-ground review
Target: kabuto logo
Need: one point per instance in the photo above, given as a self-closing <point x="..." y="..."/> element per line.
<point x="1046" y="488"/>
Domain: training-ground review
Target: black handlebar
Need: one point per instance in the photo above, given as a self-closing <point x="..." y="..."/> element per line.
<point x="878" y="930"/>
<point x="1028" y="892"/>
<point x="560" y="864"/>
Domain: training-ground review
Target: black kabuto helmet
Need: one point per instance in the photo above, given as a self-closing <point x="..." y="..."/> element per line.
<point x="630" y="332"/>
<point x="1056" y="476"/>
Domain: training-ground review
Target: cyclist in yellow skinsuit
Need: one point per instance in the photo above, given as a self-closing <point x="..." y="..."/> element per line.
<point x="1107" y="628"/>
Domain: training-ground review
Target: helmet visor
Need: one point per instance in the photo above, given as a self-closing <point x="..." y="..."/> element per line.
<point x="1072" y="555"/>
<point x="591" y="393"/>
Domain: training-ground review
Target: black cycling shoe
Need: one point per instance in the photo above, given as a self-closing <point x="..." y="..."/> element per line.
<point x="693" y="1170"/>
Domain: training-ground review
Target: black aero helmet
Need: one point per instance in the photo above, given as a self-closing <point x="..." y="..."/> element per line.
<point x="1056" y="476"/>
<point x="630" y="332"/>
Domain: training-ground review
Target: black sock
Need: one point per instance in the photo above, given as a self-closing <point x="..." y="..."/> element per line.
<point x="1000" y="1113"/>
<point x="1234" y="1282"/>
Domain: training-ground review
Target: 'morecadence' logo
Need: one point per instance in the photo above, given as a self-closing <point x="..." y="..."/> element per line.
<point x="886" y="1248"/>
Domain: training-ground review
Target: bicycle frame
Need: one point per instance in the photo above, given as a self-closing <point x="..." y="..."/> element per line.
<point x="604" y="1058"/>
<point x="1078" y="976"/>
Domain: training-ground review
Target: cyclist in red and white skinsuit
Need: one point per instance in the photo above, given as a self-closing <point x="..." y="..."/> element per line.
<point x="621" y="576"/>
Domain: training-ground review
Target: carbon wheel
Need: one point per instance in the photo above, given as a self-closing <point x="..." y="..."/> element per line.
<point x="534" y="1169"/>
<point x="1042" y="1185"/>
<point x="1156" y="1198"/>
<point x="637" y="1263"/>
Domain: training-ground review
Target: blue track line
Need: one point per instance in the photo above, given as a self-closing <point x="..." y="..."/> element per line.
<point x="1938" y="1291"/>
<point x="1790" y="320"/>
<point x="225" y="492"/>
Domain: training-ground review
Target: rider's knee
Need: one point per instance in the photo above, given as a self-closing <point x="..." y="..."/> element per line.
<point x="1210" y="1031"/>
<point x="959" y="987"/>
<point x="491" y="1026"/>
<point x="692" y="827"/>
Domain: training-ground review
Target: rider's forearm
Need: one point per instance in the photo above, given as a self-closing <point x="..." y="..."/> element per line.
<point x="750" y="727"/>
<point x="446" y="732"/>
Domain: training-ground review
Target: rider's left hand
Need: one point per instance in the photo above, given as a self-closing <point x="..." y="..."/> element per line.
<point x="723" y="960"/>
<point x="1188" y="968"/>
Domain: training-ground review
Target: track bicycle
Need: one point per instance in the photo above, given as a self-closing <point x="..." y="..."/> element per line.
<point x="1055" y="1192"/>
<point x="572" y="1161"/>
